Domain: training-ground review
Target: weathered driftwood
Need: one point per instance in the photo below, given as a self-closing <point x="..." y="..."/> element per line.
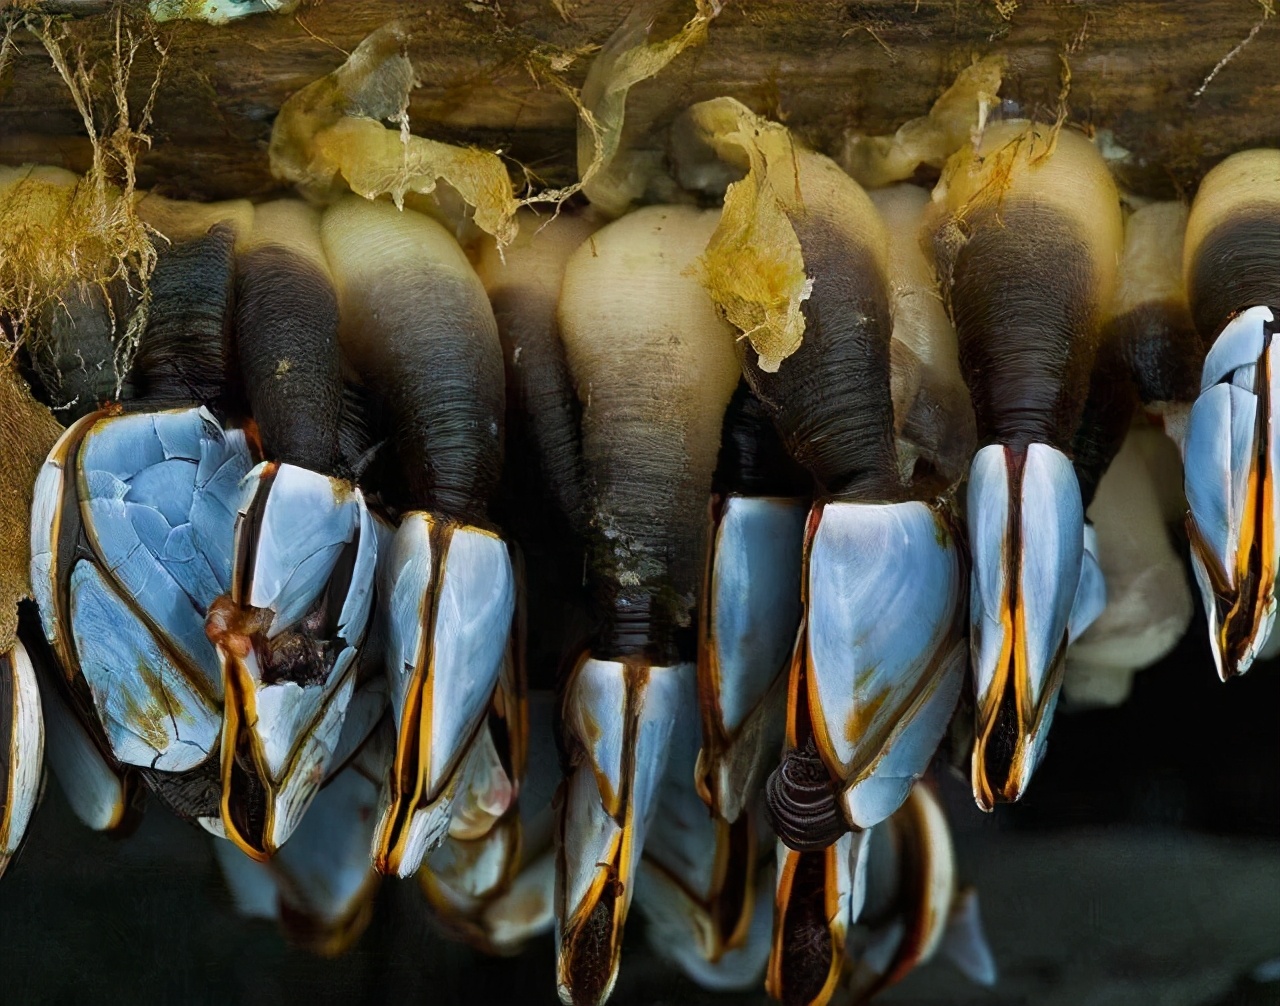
<point x="1136" y="67"/>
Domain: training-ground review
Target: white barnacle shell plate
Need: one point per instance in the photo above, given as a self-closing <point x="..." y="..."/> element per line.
<point x="94" y="789"/>
<point x="1224" y="470"/>
<point x="473" y="879"/>
<point x="683" y="836"/>
<point x="1046" y="572"/>
<point x="1219" y="449"/>
<point x="911" y="888"/>
<point x="448" y="600"/>
<point x="156" y="497"/>
<point x="455" y="659"/>
<point x="364" y="713"/>
<point x="324" y="871"/>
<point x="681" y="877"/>
<point x="326" y="862"/>
<point x="470" y="871"/>
<point x="21" y="747"/>
<point x="885" y="646"/>
<point x="620" y="725"/>
<point x="752" y="615"/>
<point x="526" y="908"/>
<point x="1052" y="557"/>
<point x="675" y="930"/>
<point x="756" y="598"/>
<point x="307" y="521"/>
<point x="1091" y="593"/>
<point x="472" y="798"/>
<point x="845" y="880"/>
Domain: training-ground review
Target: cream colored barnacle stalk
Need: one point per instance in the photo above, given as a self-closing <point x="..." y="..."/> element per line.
<point x="1149" y="352"/>
<point x="1151" y="355"/>
<point x="1028" y="238"/>
<point x="542" y="468"/>
<point x="1151" y="331"/>
<point x="1148" y="602"/>
<point x="418" y="329"/>
<point x="932" y="414"/>
<point x="290" y="627"/>
<point x="654" y="369"/>
<point x="176" y="220"/>
<point x="1231" y="454"/>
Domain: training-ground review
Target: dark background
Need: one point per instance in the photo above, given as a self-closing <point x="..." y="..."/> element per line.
<point x="1143" y="867"/>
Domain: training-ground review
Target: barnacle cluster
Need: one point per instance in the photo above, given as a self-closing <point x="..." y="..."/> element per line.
<point x="633" y="544"/>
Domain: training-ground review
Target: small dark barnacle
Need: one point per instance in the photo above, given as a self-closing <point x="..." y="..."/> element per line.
<point x="802" y="802"/>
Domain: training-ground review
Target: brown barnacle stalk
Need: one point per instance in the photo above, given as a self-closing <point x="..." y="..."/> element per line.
<point x="1150" y="356"/>
<point x="1028" y="239"/>
<point x="1230" y="451"/>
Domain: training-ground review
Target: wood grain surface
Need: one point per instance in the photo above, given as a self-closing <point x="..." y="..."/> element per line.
<point x="1136" y="67"/>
